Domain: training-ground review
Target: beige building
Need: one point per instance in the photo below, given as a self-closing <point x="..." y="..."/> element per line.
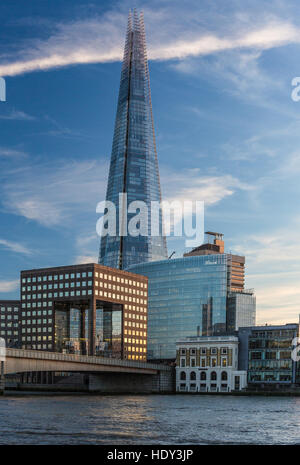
<point x="208" y="364"/>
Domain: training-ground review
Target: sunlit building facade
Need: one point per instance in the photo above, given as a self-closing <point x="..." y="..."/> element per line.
<point x="134" y="166"/>
<point x="209" y="364"/>
<point x="84" y="309"/>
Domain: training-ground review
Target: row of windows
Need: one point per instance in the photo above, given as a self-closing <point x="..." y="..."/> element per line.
<point x="37" y="322"/>
<point x="136" y="349"/>
<point x="134" y="325"/>
<point x="37" y="346"/>
<point x="37" y="313"/>
<point x="204" y="351"/>
<point x="34" y="279"/>
<point x="135" y="341"/>
<point x="128" y="290"/>
<point x="9" y="309"/>
<point x="9" y="317"/>
<point x="51" y="295"/>
<point x="9" y="333"/>
<point x="37" y="330"/>
<point x="137" y="317"/>
<point x="36" y="338"/>
<point x="203" y="362"/>
<point x="9" y="325"/>
<point x="135" y="333"/>
<point x="56" y="286"/>
<point x="203" y="375"/>
<point x="118" y="279"/>
<point x="135" y="357"/>
<point x="120" y="297"/>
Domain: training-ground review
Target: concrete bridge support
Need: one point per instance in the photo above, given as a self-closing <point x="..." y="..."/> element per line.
<point x="116" y="383"/>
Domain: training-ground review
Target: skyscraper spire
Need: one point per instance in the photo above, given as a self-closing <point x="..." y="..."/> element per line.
<point x="134" y="167"/>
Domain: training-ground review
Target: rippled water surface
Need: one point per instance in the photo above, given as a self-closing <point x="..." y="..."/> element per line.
<point x="154" y="419"/>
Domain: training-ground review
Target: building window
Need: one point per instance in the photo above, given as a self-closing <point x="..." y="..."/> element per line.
<point x="182" y="362"/>
<point x="213" y="376"/>
<point x="224" y="376"/>
<point x="193" y="376"/>
<point x="203" y="376"/>
<point x="182" y="376"/>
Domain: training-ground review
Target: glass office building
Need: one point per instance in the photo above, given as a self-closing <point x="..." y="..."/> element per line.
<point x="266" y="353"/>
<point x="186" y="297"/>
<point x="133" y="166"/>
<point x="241" y="309"/>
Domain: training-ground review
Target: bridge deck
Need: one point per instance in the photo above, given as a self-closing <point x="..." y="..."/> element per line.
<point x="21" y="360"/>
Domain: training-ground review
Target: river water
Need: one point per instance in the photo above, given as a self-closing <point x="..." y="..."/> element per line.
<point x="157" y="419"/>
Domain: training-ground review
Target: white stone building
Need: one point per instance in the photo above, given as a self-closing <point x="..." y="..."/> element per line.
<point x="208" y="364"/>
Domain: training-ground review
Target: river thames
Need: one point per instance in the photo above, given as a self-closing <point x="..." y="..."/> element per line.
<point x="157" y="419"/>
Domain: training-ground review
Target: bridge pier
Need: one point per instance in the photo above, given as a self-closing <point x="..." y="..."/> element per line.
<point x="2" y="378"/>
<point x="115" y="383"/>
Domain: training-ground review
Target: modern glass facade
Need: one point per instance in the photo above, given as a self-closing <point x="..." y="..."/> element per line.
<point x="186" y="297"/>
<point x="241" y="309"/>
<point x="133" y="167"/>
<point x="266" y="352"/>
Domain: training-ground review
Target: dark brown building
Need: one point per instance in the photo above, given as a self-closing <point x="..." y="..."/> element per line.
<point x="85" y="309"/>
<point x="9" y="322"/>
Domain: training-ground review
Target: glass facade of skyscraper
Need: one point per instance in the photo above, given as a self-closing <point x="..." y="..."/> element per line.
<point x="241" y="309"/>
<point x="133" y="166"/>
<point x="186" y="297"/>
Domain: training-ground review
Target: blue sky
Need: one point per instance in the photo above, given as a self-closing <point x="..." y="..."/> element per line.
<point x="227" y="129"/>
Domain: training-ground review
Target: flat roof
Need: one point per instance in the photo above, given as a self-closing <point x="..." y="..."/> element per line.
<point x="104" y="268"/>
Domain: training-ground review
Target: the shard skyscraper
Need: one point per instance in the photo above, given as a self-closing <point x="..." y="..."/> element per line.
<point x="133" y="166"/>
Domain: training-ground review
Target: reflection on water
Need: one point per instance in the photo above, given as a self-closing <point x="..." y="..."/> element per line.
<point x="149" y="420"/>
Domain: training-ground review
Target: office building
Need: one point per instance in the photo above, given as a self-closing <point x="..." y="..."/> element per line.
<point x="241" y="309"/>
<point x="197" y="295"/>
<point x="187" y="297"/>
<point x="208" y="364"/>
<point x="84" y="309"/>
<point x="266" y="353"/>
<point x="134" y="166"/>
<point x="236" y="263"/>
<point x="9" y="322"/>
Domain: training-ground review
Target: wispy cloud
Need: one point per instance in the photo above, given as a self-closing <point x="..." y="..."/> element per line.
<point x="11" y="153"/>
<point x="101" y="39"/>
<point x="82" y="259"/>
<point x="16" y="115"/>
<point x="9" y="286"/>
<point x="72" y="188"/>
<point x="191" y="185"/>
<point x="15" y="247"/>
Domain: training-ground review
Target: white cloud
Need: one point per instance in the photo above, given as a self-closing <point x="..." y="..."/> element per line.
<point x="11" y="153"/>
<point x="17" y="115"/>
<point x="190" y="185"/>
<point x="82" y="259"/>
<point x="9" y="286"/>
<point x="272" y="269"/>
<point x="61" y="194"/>
<point x="15" y="247"/>
<point x="172" y="36"/>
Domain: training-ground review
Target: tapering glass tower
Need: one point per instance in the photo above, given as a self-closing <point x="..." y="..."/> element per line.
<point x="133" y="166"/>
